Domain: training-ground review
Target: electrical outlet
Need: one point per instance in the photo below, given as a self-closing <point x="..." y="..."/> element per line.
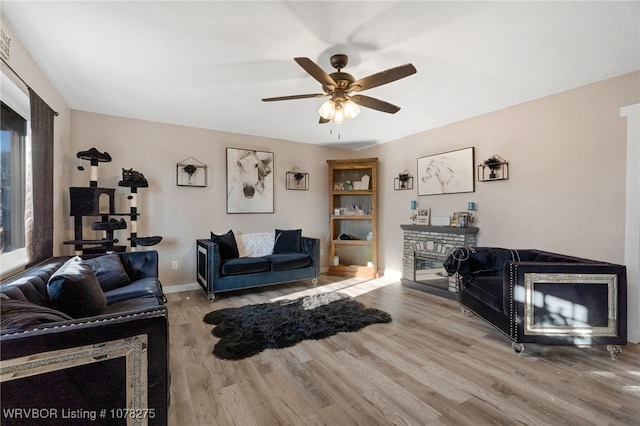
<point x="174" y="264"/>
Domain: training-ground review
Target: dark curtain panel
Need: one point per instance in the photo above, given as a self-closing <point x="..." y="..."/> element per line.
<point x="42" y="166"/>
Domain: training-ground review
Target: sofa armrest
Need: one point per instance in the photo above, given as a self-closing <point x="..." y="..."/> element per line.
<point x="209" y="263"/>
<point x="570" y="301"/>
<point x="311" y="246"/>
<point x="112" y="362"/>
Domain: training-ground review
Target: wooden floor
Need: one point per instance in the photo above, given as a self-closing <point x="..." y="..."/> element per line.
<point x="429" y="366"/>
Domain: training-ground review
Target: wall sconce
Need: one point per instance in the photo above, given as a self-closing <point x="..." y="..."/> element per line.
<point x="498" y="169"/>
<point x="403" y="181"/>
<point x="191" y="172"/>
<point x="296" y="179"/>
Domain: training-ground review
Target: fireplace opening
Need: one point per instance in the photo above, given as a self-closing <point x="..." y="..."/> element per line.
<point x="428" y="269"/>
<point x="424" y="249"/>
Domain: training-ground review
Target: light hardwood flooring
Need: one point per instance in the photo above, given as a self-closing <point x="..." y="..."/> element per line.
<point x="429" y="366"/>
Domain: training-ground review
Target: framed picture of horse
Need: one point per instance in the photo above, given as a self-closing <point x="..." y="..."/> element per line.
<point x="447" y="173"/>
<point x="249" y="181"/>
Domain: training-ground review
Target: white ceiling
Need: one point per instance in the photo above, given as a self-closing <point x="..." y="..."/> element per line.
<point x="207" y="64"/>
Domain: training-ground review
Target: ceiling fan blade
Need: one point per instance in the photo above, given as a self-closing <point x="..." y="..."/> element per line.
<point x="287" y="98"/>
<point x="323" y="120"/>
<point x="316" y="72"/>
<point x="373" y="103"/>
<point x="383" y="77"/>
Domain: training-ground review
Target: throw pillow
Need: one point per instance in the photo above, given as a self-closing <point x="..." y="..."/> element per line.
<point x="74" y="290"/>
<point x="109" y="271"/>
<point x="255" y="244"/>
<point x="226" y="244"/>
<point x="288" y="241"/>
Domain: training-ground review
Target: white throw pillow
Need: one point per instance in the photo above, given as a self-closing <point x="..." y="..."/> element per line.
<point x="255" y="244"/>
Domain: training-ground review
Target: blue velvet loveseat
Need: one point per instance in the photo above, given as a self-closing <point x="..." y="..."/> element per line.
<point x="228" y="262"/>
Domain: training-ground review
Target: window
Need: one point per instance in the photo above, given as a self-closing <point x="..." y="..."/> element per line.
<point x="14" y="176"/>
<point x="13" y="134"/>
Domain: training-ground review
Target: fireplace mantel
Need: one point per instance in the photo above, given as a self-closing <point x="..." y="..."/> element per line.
<point x="432" y="244"/>
<point x="440" y="229"/>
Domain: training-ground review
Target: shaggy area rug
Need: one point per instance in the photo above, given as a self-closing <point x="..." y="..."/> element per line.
<point x="248" y="330"/>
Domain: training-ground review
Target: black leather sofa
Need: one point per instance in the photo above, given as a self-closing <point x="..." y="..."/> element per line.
<point x="533" y="296"/>
<point x="92" y="359"/>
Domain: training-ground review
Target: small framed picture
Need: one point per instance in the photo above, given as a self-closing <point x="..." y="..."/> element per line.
<point x="424" y="217"/>
<point x="460" y="219"/>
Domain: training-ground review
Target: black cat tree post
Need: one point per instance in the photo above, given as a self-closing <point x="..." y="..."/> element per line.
<point x="135" y="180"/>
<point x="95" y="157"/>
<point x="96" y="201"/>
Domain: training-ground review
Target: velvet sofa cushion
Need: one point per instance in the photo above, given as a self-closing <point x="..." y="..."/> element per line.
<point x="74" y="290"/>
<point x="287" y="261"/>
<point x="141" y="288"/>
<point x="109" y="271"/>
<point x="245" y="265"/>
<point x="288" y="241"/>
<point x="226" y="244"/>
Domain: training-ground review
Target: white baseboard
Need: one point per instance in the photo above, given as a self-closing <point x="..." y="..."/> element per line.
<point x="392" y="273"/>
<point x="181" y="287"/>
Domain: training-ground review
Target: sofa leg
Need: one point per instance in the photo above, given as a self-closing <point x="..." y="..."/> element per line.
<point x="211" y="297"/>
<point x="465" y="312"/>
<point x="518" y="348"/>
<point x="614" y="350"/>
<point x="314" y="281"/>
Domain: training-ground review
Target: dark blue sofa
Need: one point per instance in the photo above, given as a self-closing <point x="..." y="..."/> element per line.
<point x="216" y="274"/>
<point x="104" y="350"/>
<point x="534" y="296"/>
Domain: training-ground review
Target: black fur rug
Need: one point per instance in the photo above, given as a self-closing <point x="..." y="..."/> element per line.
<point x="248" y="330"/>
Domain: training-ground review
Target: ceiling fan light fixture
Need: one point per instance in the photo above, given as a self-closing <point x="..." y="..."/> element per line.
<point x="340" y="85"/>
<point x="351" y="109"/>
<point x="339" y="116"/>
<point x="327" y="110"/>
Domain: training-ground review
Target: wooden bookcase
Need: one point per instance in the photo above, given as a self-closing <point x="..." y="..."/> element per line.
<point x="353" y="212"/>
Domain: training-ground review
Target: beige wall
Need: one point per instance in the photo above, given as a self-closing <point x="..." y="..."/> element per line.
<point x="183" y="214"/>
<point x="566" y="191"/>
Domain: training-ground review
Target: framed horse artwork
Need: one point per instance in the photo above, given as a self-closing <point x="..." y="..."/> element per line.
<point x="447" y="173"/>
<point x="249" y="181"/>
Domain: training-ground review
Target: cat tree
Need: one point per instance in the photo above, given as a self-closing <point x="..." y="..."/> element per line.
<point x="94" y="201"/>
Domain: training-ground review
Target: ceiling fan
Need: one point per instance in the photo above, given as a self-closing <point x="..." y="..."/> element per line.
<point x="341" y="86"/>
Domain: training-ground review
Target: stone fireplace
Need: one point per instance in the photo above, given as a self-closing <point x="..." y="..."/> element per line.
<point x="425" y="248"/>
